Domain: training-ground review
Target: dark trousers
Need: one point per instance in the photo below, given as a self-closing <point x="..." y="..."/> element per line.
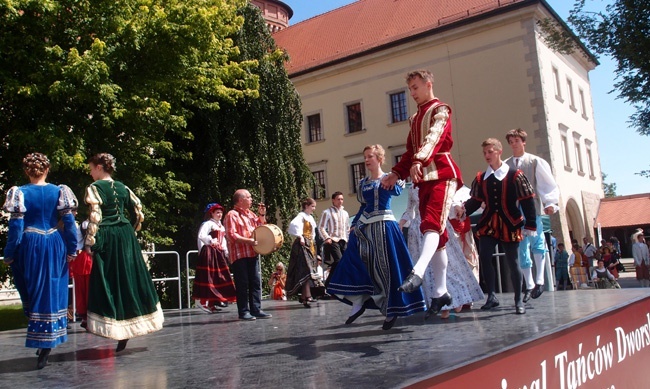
<point x="333" y="253"/>
<point x="487" y="245"/>
<point x="248" y="284"/>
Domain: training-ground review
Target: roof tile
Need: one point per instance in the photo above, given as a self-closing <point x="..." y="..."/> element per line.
<point x="367" y="24"/>
<point x="623" y="211"/>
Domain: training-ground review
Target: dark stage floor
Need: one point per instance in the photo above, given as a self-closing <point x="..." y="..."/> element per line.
<point x="299" y="347"/>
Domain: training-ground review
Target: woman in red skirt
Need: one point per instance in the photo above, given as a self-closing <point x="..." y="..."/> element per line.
<point x="213" y="285"/>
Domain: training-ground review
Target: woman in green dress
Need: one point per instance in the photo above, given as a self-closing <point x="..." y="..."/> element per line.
<point x="122" y="301"/>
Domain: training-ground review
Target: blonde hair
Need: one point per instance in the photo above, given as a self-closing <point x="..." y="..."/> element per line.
<point x="492" y="142"/>
<point x="424" y="74"/>
<point x="378" y="151"/>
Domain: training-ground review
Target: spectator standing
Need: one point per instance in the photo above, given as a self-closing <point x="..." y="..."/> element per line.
<point x="277" y="282"/>
<point x="562" y="266"/>
<point x="590" y="253"/>
<point x="641" y="258"/>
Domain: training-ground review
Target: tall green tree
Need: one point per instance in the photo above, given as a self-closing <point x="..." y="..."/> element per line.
<point x="620" y="31"/>
<point x="79" y="77"/>
<point x="609" y="189"/>
<point x="253" y="143"/>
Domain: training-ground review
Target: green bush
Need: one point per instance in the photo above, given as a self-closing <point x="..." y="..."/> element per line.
<point x="12" y="317"/>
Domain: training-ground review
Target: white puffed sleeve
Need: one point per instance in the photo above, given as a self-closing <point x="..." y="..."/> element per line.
<point x="15" y="202"/>
<point x="67" y="200"/>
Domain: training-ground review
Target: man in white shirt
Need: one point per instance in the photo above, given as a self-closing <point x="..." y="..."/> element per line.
<point x="547" y="198"/>
<point x="641" y="258"/>
<point x="334" y="229"/>
<point x="590" y="251"/>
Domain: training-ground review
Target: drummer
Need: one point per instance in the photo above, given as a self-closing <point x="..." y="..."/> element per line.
<point x="240" y="224"/>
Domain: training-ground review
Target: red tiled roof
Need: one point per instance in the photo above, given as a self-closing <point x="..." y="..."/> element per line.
<point x="622" y="211"/>
<point x="368" y="24"/>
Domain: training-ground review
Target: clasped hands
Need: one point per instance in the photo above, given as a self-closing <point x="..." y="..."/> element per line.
<point x="531" y="233"/>
<point x="459" y="212"/>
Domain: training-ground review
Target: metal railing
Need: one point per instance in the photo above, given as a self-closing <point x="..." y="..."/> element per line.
<point x="164" y="279"/>
<point x="178" y="272"/>
<point x="188" y="277"/>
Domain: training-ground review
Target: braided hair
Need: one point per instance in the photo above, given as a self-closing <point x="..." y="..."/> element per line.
<point x="35" y="164"/>
<point x="106" y="160"/>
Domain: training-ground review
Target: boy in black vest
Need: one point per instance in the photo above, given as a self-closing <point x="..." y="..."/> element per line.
<point x="503" y="190"/>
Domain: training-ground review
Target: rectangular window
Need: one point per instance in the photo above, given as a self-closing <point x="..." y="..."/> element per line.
<point x="319" y="192"/>
<point x="398" y="107"/>
<point x="358" y="172"/>
<point x="590" y="162"/>
<point x="315" y="132"/>
<point x="565" y="151"/>
<point x="583" y="105"/>
<point x="569" y="87"/>
<point x="556" y="84"/>
<point x="354" y="118"/>
<point x="576" y="146"/>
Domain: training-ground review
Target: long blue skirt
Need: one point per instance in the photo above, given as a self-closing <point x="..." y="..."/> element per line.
<point x="373" y="266"/>
<point x="40" y="272"/>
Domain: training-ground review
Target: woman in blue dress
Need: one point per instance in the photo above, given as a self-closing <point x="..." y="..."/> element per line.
<point x="377" y="258"/>
<point x="38" y="251"/>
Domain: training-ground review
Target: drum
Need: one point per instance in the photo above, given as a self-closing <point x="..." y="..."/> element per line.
<point x="269" y="239"/>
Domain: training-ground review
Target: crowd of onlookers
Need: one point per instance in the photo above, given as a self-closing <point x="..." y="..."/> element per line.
<point x="601" y="264"/>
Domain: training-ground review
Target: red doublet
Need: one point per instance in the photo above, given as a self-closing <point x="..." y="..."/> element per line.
<point x="429" y="143"/>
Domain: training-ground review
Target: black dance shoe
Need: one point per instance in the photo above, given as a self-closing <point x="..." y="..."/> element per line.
<point x="537" y="291"/>
<point x="121" y="345"/>
<point x="306" y="304"/>
<point x="411" y="283"/>
<point x="520" y="309"/>
<point x="42" y="358"/>
<point x="354" y="317"/>
<point x="527" y="295"/>
<point x="492" y="302"/>
<point x="436" y="304"/>
<point x="388" y="324"/>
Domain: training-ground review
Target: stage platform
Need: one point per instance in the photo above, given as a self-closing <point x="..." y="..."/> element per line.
<point x="313" y="348"/>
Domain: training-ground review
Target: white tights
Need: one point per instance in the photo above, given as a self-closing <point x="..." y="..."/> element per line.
<point x="430" y="251"/>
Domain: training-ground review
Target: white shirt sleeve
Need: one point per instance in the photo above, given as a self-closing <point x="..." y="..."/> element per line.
<point x="409" y="213"/>
<point x="80" y="238"/>
<point x="204" y="234"/>
<point x="296" y="225"/>
<point x="324" y="220"/>
<point x="546" y="189"/>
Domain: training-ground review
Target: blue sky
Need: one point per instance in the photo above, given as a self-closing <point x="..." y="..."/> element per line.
<point x="623" y="151"/>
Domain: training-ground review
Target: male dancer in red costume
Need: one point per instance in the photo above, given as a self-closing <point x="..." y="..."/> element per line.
<point x="428" y="162"/>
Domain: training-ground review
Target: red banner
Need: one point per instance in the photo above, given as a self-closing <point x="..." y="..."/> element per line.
<point x="609" y="351"/>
